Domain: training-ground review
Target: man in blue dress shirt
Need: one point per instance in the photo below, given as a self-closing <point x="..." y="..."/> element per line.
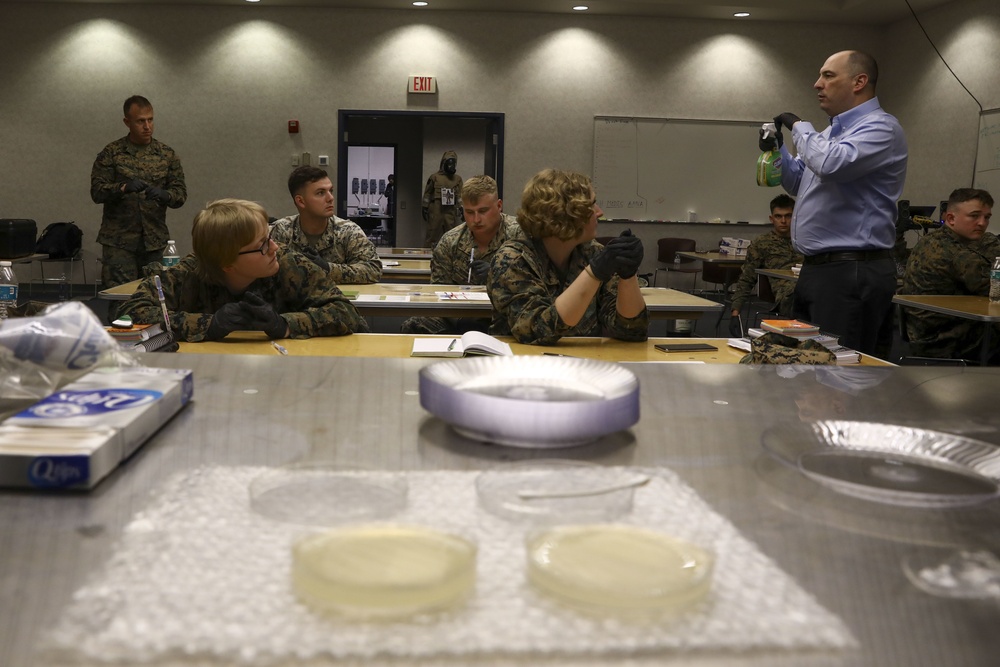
<point x="847" y="180"/>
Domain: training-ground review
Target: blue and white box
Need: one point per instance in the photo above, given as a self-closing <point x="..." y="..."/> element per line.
<point x="75" y="437"/>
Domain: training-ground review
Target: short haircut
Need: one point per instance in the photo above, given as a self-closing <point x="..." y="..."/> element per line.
<point x="476" y="187"/>
<point x="969" y="194"/>
<point x="556" y="203"/>
<point x="782" y="201"/>
<point x="300" y="176"/>
<point x="220" y="230"/>
<point x="137" y="100"/>
<point x="863" y="63"/>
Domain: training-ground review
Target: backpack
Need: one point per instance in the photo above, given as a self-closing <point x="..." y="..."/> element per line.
<point x="60" y="240"/>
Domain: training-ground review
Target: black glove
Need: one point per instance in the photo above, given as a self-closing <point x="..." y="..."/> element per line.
<point x="135" y="185"/>
<point x="787" y="119"/>
<point x="312" y="254"/>
<point x="159" y="194"/>
<point x="480" y="269"/>
<point x="735" y="330"/>
<point x="263" y="317"/>
<point x="603" y="264"/>
<point x="227" y="319"/>
<point x="628" y="253"/>
<point x="769" y="143"/>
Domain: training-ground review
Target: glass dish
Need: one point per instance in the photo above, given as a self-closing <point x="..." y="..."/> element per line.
<point x="552" y="490"/>
<point x="618" y="568"/>
<point x="326" y="494"/>
<point x="890" y="464"/>
<point x="383" y="571"/>
<point x="531" y="401"/>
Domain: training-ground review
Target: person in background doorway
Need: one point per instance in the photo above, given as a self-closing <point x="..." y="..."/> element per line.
<point x="442" y="202"/>
<point x="338" y="246"/>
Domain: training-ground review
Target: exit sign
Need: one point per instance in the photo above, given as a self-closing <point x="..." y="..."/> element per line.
<point x="422" y="84"/>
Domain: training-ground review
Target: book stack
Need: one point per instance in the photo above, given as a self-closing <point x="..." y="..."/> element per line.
<point x="140" y="337"/>
<point x="789" y="327"/>
<point x="845" y="355"/>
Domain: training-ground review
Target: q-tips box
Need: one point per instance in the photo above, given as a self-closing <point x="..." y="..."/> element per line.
<point x="79" y="434"/>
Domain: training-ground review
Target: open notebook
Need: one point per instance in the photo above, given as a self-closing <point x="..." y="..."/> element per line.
<point x="471" y="342"/>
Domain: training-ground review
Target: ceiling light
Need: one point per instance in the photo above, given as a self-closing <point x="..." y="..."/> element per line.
<point x="581" y="8"/>
<point x="420" y="3"/>
<point x="741" y="15"/>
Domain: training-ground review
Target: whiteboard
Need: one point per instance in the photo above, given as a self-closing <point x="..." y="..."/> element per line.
<point x="663" y="169"/>
<point x="988" y="153"/>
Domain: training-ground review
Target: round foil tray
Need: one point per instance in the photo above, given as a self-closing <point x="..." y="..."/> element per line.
<point x="324" y="494"/>
<point x="618" y="568"/>
<point x="383" y="570"/>
<point x="955" y="574"/>
<point x="552" y="490"/>
<point x="531" y="401"/>
<point x="890" y="464"/>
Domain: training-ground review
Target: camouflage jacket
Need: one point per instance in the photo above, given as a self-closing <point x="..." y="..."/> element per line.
<point x="450" y="263"/>
<point x="132" y="221"/>
<point x="768" y="251"/>
<point x="300" y="291"/>
<point x="523" y="285"/>
<point x="942" y="262"/>
<point x="352" y="256"/>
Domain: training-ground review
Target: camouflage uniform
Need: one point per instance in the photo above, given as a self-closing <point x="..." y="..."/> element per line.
<point x="352" y="257"/>
<point x="132" y="223"/>
<point x="440" y="188"/>
<point x="768" y="251"/>
<point x="523" y="286"/>
<point x="450" y="266"/>
<point x="942" y="262"/>
<point x="300" y="291"/>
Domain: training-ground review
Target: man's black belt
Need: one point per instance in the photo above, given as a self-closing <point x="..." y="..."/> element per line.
<point x="848" y="256"/>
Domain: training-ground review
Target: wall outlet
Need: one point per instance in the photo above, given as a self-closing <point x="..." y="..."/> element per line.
<point x="296" y="160"/>
<point x="306" y="159"/>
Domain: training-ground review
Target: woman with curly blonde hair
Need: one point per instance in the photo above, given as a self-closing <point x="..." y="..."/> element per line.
<point x="559" y="281"/>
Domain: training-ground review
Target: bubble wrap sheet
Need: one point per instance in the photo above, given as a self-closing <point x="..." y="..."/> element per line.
<point x="200" y="578"/>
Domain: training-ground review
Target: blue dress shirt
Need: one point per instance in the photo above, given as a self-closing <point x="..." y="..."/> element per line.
<point x="847" y="180"/>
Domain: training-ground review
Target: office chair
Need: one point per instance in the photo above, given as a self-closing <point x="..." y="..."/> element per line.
<point x="666" y="249"/>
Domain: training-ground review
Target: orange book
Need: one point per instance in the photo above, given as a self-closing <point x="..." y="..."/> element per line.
<point x="789" y="327"/>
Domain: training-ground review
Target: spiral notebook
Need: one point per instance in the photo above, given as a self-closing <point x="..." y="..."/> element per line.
<point x="154" y="343"/>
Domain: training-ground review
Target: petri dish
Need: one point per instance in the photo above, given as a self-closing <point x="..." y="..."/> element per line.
<point x="383" y="570"/>
<point x="618" y="568"/>
<point x="327" y="494"/>
<point x="554" y="490"/>
<point x="965" y="573"/>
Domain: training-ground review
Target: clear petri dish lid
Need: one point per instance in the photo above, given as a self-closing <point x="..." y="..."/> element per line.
<point x="383" y="570"/>
<point x="618" y="568"/>
<point x="890" y="464"/>
<point x="955" y="573"/>
<point x="327" y="494"/>
<point x="558" y="491"/>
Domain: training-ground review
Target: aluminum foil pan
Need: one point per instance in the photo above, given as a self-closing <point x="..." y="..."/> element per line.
<point x="531" y="401"/>
<point x="891" y="464"/>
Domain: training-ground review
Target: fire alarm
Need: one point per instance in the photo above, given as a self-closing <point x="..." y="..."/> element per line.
<point x="293" y="127"/>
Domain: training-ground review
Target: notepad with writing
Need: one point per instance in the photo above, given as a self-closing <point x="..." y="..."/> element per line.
<point x="463" y="296"/>
<point x="471" y="342"/>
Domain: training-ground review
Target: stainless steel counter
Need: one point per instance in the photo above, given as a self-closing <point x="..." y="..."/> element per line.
<point x="703" y="421"/>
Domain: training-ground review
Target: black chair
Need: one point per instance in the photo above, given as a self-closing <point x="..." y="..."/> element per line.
<point x="763" y="304"/>
<point x="666" y="251"/>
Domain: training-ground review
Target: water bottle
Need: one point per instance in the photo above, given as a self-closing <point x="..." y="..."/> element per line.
<point x="995" y="281"/>
<point x="63" y="288"/>
<point x="170" y="256"/>
<point x="8" y="288"/>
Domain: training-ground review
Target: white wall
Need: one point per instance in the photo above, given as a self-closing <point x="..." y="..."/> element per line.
<point x="225" y="80"/>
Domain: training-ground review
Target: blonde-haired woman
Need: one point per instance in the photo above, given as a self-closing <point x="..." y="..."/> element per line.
<point x="559" y="281"/>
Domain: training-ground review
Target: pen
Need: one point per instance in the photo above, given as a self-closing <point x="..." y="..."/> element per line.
<point x="472" y="257"/>
<point x="278" y="347"/>
<point x="163" y="302"/>
<point x="451" y="345"/>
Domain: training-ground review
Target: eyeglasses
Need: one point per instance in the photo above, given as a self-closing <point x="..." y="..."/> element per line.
<point x="264" y="247"/>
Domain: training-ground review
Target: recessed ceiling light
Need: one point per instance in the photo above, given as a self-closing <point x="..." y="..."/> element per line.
<point x="253" y="0"/>
<point x="420" y="3"/>
<point x="581" y="8"/>
<point x="741" y="15"/>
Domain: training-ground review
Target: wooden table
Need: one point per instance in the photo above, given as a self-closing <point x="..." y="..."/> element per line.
<point x="406" y="270"/>
<point x="712" y="257"/>
<point x="405" y="253"/>
<point x="977" y="308"/>
<point x="400" y="345"/>
<point x="780" y="274"/>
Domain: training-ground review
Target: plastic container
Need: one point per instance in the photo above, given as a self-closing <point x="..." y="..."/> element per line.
<point x="8" y="288"/>
<point x="170" y="254"/>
